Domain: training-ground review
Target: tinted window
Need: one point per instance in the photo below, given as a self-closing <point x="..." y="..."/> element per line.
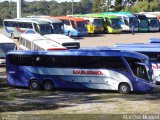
<point x="69" y="61"/>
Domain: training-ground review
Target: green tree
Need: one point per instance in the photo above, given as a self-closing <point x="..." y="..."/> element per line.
<point x="118" y="5"/>
<point x="98" y="5"/>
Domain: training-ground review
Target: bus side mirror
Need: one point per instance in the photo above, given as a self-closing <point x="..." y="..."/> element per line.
<point x="157" y="80"/>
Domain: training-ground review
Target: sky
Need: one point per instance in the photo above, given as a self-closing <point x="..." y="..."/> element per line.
<point x="46" y="0"/>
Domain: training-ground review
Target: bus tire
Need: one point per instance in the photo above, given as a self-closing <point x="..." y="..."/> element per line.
<point x="12" y="35"/>
<point x="34" y="85"/>
<point x="48" y="85"/>
<point x="124" y="88"/>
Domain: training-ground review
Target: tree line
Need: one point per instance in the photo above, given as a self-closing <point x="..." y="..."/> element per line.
<point x="53" y="8"/>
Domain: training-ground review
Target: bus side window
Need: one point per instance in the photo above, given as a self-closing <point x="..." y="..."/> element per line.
<point x="36" y="28"/>
<point x="29" y="25"/>
<point x="8" y="23"/>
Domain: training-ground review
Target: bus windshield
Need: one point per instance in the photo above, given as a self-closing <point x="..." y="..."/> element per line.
<point x="98" y="22"/>
<point x="81" y="26"/>
<point x="115" y="23"/>
<point x="45" y="29"/>
<point x="141" y="71"/>
<point x="153" y="23"/>
<point x="133" y="22"/>
<point x="58" y="28"/>
<point x="143" y="24"/>
<point x="4" y="48"/>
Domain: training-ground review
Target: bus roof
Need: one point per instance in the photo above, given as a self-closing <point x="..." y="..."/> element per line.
<point x="69" y="18"/>
<point x="124" y="13"/>
<point x="142" y="45"/>
<point x="84" y="52"/>
<point x="139" y="49"/>
<point x="45" y="18"/>
<point x="33" y="37"/>
<point x="140" y="16"/>
<point x="102" y="15"/>
<point x="52" y="20"/>
<point x="41" y="41"/>
<point x="5" y="39"/>
<point x="154" y="40"/>
<point x="38" y="21"/>
<point x="150" y="16"/>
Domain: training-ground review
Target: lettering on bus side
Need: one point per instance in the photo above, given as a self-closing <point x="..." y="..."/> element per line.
<point x="87" y="72"/>
<point x="155" y="66"/>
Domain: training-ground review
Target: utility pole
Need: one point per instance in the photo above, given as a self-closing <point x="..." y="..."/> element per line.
<point x="72" y="7"/>
<point x="18" y="8"/>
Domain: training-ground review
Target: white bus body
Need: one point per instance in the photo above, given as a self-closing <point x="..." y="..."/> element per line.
<point x="38" y="42"/>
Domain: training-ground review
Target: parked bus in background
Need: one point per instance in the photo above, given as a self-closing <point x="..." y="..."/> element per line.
<point x="153" y="22"/>
<point x="142" y="22"/>
<point x="57" y="34"/>
<point x="38" y="42"/>
<point x="15" y="27"/>
<point x="111" y="23"/>
<point x="94" y="25"/>
<point x="151" y="50"/>
<point x="157" y="14"/>
<point x="80" y="69"/>
<point x="6" y="44"/>
<point x="73" y="26"/>
<point x="57" y="25"/>
<point x="129" y="21"/>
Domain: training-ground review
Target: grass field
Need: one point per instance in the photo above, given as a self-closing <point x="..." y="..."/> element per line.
<point x="22" y="100"/>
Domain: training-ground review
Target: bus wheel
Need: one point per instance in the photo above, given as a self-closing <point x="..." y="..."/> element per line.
<point x="69" y="34"/>
<point x="48" y="85"/>
<point x="124" y="88"/>
<point x="34" y="85"/>
<point x="12" y="35"/>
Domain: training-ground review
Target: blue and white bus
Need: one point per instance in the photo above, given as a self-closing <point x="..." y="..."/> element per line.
<point x="80" y="69"/>
<point x="152" y="51"/>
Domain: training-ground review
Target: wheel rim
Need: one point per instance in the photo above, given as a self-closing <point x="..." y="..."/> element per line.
<point x="34" y="85"/>
<point x="124" y="88"/>
<point x="48" y="86"/>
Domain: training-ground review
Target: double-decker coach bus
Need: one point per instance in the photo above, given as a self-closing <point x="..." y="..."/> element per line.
<point x="80" y="69"/>
<point x="6" y="44"/>
<point x="38" y="42"/>
<point x="15" y="27"/>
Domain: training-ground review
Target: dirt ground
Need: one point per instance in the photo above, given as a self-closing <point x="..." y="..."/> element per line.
<point x="110" y="39"/>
